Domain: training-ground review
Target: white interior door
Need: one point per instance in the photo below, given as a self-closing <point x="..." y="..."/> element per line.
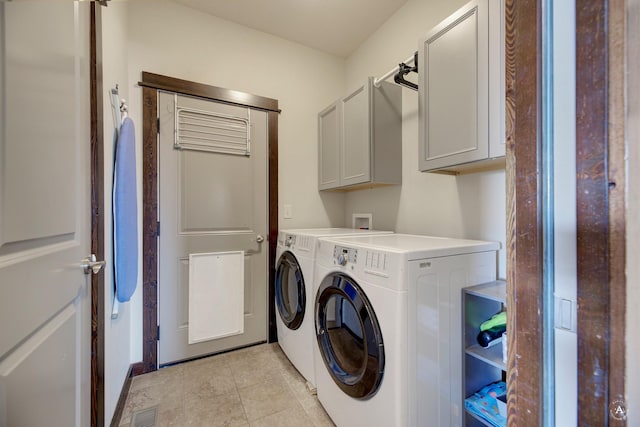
<point x="44" y="214"/>
<point x="213" y="274"/>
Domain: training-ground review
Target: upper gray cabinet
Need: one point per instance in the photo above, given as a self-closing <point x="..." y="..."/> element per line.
<point x="329" y="147"/>
<point x="360" y="139"/>
<point x="461" y="90"/>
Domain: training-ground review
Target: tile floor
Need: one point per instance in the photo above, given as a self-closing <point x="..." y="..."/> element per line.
<point x="251" y="387"/>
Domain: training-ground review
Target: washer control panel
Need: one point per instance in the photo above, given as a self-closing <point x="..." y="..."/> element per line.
<point x="290" y="240"/>
<point x="343" y="255"/>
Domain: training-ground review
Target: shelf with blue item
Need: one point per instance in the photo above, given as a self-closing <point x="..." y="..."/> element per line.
<point x="488" y="405"/>
<point x="483" y="322"/>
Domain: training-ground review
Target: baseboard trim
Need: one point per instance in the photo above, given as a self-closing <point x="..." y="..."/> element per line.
<point x="134" y="370"/>
<point x="137" y="369"/>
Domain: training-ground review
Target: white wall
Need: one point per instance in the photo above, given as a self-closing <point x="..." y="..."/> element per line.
<point x="565" y="222"/>
<point x="632" y="386"/>
<point x="167" y="38"/>
<point x="470" y="206"/>
<point x="117" y="331"/>
<point x="176" y="41"/>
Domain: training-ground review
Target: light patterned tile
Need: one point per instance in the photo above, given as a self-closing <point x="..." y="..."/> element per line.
<point x="214" y="362"/>
<point x="254" y="365"/>
<point x="266" y="398"/>
<point x="300" y="390"/>
<point x="255" y="353"/>
<point x="287" y="368"/>
<point x="248" y="373"/>
<point x="256" y="384"/>
<point x="207" y="380"/>
<point x="294" y="417"/>
<point x="170" y="416"/>
<point x="277" y="351"/>
<point x="169" y="395"/>
<point x="157" y="378"/>
<point x="318" y="415"/>
<point x="219" y="411"/>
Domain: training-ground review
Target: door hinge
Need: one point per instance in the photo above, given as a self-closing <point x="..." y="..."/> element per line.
<point x="157" y="228"/>
<point x="158" y="124"/>
<point x="158" y="334"/>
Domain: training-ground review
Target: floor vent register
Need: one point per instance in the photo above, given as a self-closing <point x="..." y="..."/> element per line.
<point x="144" y="418"/>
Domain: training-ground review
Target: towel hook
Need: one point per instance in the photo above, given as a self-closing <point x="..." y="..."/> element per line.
<point x="123" y="108"/>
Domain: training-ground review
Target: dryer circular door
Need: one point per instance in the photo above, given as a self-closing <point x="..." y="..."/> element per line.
<point x="290" y="291"/>
<point x="349" y="336"/>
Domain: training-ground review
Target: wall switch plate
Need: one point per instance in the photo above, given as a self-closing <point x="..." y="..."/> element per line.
<point x="566" y="313"/>
<point x="288" y="212"/>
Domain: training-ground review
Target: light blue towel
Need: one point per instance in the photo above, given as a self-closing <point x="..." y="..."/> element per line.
<point x="125" y="213"/>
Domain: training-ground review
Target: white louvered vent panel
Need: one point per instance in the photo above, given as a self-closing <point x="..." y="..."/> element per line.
<point x="304" y="243"/>
<point x="214" y="132"/>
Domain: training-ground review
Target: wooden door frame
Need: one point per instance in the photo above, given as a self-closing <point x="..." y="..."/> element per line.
<point x="151" y="83"/>
<point x="524" y="213"/>
<point x="601" y="220"/>
<point x="599" y="59"/>
<point x="97" y="216"/>
<point x="600" y="172"/>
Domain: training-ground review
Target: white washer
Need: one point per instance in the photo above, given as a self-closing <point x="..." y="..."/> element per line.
<point x="295" y="262"/>
<point x="387" y="309"/>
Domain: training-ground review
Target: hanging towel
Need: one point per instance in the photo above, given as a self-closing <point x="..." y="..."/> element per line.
<point x="216" y="295"/>
<point x="125" y="213"/>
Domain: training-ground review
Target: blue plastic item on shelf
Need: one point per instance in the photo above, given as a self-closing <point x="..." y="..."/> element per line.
<point x="484" y="404"/>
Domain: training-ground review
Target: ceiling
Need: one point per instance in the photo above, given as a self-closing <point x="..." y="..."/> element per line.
<point x="337" y="27"/>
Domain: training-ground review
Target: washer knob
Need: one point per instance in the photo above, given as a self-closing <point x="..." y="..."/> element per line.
<point x="342" y="260"/>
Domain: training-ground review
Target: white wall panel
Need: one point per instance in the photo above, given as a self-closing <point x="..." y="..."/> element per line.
<point x="632" y="386"/>
<point x="121" y="349"/>
<point x="564" y="182"/>
<point x="471" y="206"/>
<point x="177" y="41"/>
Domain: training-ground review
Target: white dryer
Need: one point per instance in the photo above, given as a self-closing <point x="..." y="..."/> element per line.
<point x="295" y="262"/>
<point x="379" y="301"/>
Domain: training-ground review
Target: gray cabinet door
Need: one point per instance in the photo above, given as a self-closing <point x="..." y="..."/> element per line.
<point x="329" y="147"/>
<point x="360" y="139"/>
<point x="355" y="165"/>
<point x="454" y="92"/>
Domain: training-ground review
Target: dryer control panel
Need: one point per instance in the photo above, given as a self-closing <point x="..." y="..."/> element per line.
<point x="342" y="255"/>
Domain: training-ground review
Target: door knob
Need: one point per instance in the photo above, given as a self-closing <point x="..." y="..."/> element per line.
<point x="259" y="238"/>
<point x="90" y="264"/>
